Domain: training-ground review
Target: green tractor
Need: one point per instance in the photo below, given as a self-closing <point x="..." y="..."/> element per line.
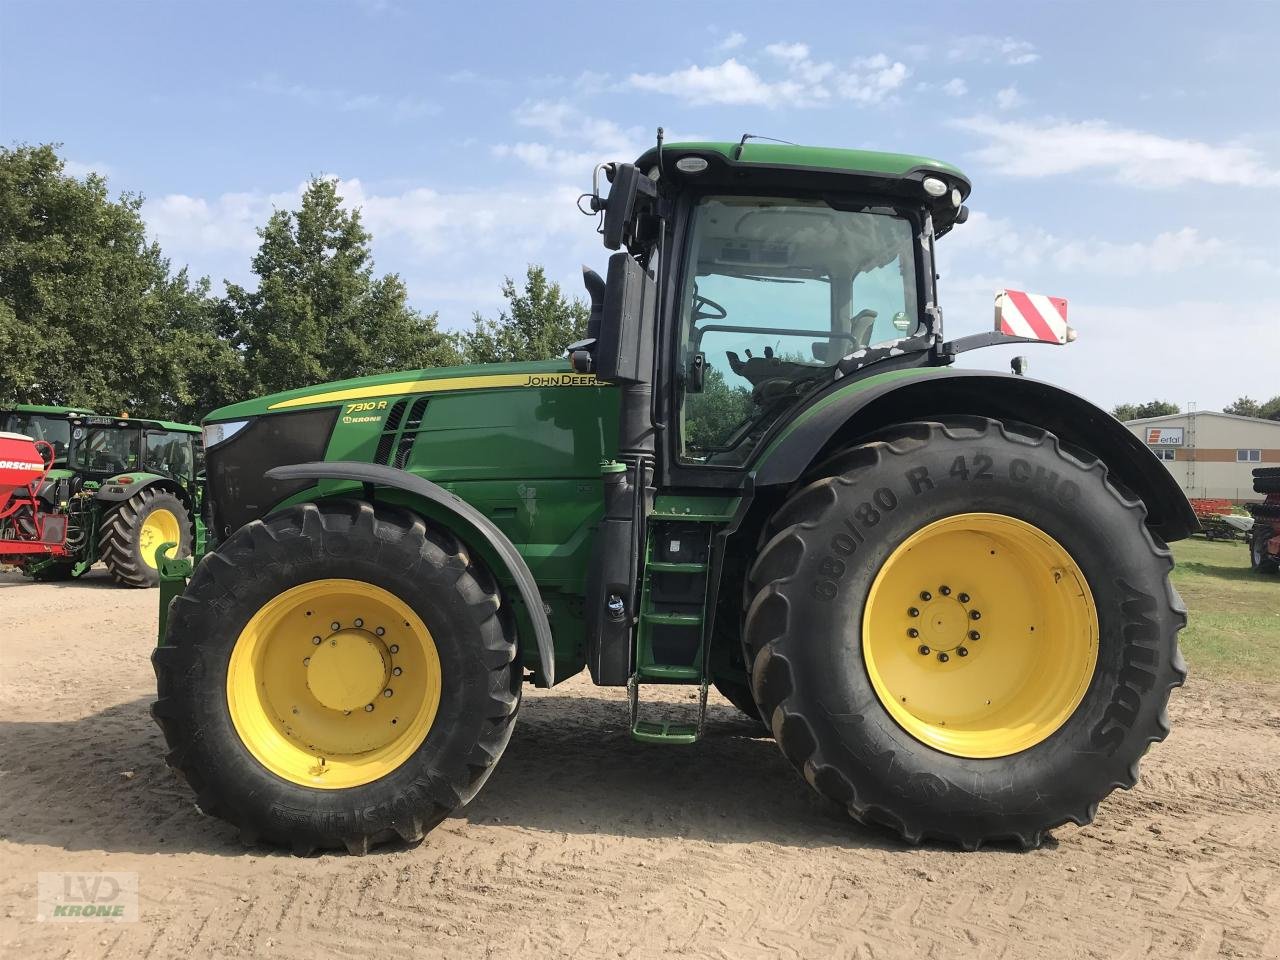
<point x="943" y="592"/>
<point x="112" y="489"/>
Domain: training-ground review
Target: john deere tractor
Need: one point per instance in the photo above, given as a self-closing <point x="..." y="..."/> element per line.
<point x="943" y="592"/>
<point x="111" y="489"/>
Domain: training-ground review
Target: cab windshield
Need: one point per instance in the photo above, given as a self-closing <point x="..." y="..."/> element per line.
<point x="55" y="430"/>
<point x="108" y="450"/>
<point x="776" y="292"/>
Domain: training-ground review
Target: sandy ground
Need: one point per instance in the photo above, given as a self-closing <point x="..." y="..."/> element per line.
<point x="586" y="844"/>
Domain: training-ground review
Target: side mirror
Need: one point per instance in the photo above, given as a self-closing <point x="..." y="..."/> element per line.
<point x="624" y="347"/>
<point x="631" y="194"/>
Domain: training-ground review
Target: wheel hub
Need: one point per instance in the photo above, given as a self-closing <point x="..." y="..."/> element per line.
<point x="980" y="635"/>
<point x="348" y="670"/>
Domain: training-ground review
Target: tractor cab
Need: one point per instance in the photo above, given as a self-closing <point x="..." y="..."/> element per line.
<point x="50" y="424"/>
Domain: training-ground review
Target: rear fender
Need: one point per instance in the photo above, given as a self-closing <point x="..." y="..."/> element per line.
<point x="845" y="415"/>
<point x="114" y="491"/>
<point x="464" y="519"/>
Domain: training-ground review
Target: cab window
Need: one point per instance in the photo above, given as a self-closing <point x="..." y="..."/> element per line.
<point x="776" y="293"/>
<point x="168" y="453"/>
<point x="108" y="450"/>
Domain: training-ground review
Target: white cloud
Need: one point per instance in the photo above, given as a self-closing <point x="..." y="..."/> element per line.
<point x="955" y="87"/>
<point x="1009" y="97"/>
<point x="879" y="79"/>
<point x="732" y="42"/>
<point x="991" y="49"/>
<point x="401" y="107"/>
<point x="730" y="83"/>
<point x="1052" y="147"/>
<point x="805" y="82"/>
<point x="788" y="52"/>
<point x="1013" y="250"/>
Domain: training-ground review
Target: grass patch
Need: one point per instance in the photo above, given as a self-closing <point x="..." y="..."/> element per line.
<point x="1234" y="626"/>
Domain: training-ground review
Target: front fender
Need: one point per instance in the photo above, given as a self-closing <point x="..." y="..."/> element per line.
<point x="846" y="414"/>
<point x="377" y="475"/>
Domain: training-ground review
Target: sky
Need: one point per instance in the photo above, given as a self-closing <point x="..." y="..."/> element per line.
<point x="1125" y="156"/>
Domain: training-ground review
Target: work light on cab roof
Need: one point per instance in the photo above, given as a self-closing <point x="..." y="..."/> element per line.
<point x="759" y="471"/>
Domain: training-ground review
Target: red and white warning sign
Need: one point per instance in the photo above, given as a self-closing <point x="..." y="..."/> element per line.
<point x="1032" y="315"/>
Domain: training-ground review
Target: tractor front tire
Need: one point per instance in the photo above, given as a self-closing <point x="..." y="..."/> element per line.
<point x="337" y="675"/>
<point x="963" y="631"/>
<point x="131" y="531"/>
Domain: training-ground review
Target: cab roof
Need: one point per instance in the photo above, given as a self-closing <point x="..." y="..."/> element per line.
<point x="755" y="163"/>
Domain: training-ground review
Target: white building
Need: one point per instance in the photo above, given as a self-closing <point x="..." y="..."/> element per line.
<point x="1212" y="454"/>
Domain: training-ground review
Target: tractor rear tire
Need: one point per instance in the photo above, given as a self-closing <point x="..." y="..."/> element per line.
<point x="894" y="642"/>
<point x="263" y="676"/>
<point x="131" y="531"/>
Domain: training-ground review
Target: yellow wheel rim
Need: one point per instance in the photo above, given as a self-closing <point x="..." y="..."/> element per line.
<point x="980" y="635"/>
<point x="159" y="526"/>
<point x="334" y="683"/>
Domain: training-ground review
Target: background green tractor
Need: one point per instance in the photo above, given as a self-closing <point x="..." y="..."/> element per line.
<point x="943" y="592"/>
<point x="116" y="490"/>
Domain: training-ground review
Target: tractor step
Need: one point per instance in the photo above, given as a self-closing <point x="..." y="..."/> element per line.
<point x="672" y="618"/>
<point x="666" y="566"/>
<point x="673" y="732"/>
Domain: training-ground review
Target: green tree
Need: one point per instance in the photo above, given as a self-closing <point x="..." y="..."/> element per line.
<point x="1270" y="409"/>
<point x="1140" y="411"/>
<point x="89" y="312"/>
<point x="715" y="412"/>
<point x="1244" y="407"/>
<point x="538" y="323"/>
<point x="318" y="312"/>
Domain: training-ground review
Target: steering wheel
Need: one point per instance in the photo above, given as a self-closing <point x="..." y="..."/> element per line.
<point x="704" y="308"/>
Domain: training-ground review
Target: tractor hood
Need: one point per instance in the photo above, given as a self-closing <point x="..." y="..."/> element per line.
<point x="473" y="427"/>
<point x="381" y="386"/>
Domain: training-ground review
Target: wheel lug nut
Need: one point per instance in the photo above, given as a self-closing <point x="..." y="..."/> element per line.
<point x="359" y="622"/>
<point x="974" y="615"/>
<point x="974" y="635"/>
<point x="368" y="708"/>
<point x="380" y="631"/>
<point x="963" y="598"/>
<point x="912" y="612"/>
<point x="396" y="672"/>
<point x="913" y="633"/>
<point x="944" y="590"/>
<point x="386" y="692"/>
<point x="335" y="626"/>
<point x="926" y="596"/>
<point x="924" y="650"/>
<point x="316" y="641"/>
<point x="395" y="648"/>
<point x="306" y="661"/>
<point x="961" y="652"/>
<point x="942" y="657"/>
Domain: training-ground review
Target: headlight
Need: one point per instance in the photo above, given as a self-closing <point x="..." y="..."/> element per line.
<point x="934" y="187"/>
<point x="216" y="433"/>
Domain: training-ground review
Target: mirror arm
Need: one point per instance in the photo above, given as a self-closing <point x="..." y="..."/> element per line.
<point x="995" y="338"/>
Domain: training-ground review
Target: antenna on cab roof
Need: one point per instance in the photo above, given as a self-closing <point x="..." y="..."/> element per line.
<point x="737" y="154"/>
